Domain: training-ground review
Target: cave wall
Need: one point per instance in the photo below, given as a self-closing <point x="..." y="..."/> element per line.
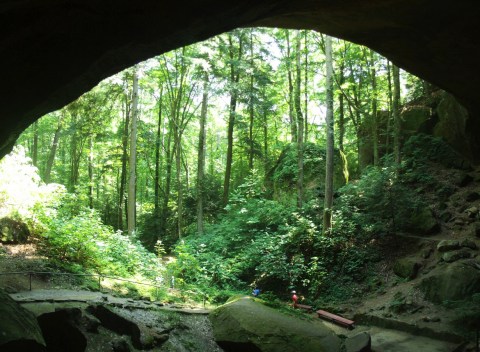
<point x="52" y="51"/>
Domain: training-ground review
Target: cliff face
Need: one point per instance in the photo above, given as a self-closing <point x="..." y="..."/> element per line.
<point x="438" y="114"/>
<point x="52" y="51"/>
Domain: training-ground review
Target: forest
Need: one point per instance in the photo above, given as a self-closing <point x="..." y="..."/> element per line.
<point x="261" y="157"/>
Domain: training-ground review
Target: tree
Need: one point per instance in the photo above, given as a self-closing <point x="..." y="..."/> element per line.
<point x="299" y="121"/>
<point x="396" y="113"/>
<point x="327" y="209"/>
<point x="235" y="55"/>
<point x="132" y="199"/>
<point x="53" y="149"/>
<point x="201" y="155"/>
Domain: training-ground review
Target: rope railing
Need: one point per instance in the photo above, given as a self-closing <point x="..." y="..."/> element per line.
<point x="100" y="278"/>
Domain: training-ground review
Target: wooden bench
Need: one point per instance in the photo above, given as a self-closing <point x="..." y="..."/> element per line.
<point x="303" y="306"/>
<point x="336" y="319"/>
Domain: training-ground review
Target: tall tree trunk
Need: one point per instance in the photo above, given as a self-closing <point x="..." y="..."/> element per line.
<point x="291" y="110"/>
<point x="123" y="175"/>
<point x="90" y="171"/>
<point x="305" y="50"/>
<point x="158" y="140"/>
<point x="390" y="107"/>
<point x="375" y="136"/>
<point x="328" y="203"/>
<point x="396" y="113"/>
<point x="168" y="181"/>
<point x="234" y="79"/>
<point x="341" y="126"/>
<point x="299" y="118"/>
<point x="201" y="156"/>
<point x="53" y="149"/>
<point x="178" y="169"/>
<point x="35" y="144"/>
<point x="74" y="161"/>
<point x="132" y="199"/>
<point x="265" y="143"/>
<point x="251" y="106"/>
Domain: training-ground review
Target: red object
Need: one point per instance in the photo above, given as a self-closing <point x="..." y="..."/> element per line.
<point x="335" y="318"/>
<point x="294" y="299"/>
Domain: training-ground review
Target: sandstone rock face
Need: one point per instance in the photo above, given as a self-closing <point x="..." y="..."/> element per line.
<point x="19" y="330"/>
<point x="246" y="325"/>
<point x="55" y="50"/>
<point x="456" y="281"/>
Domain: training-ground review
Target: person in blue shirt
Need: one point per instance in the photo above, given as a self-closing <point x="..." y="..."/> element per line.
<point x="256" y="292"/>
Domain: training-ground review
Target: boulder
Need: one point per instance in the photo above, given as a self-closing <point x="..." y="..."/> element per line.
<point x="456" y="281"/>
<point x="406" y="268"/>
<point x="423" y="222"/>
<point x="448" y="245"/>
<point x="451" y="257"/>
<point x="359" y="343"/>
<point x="13" y="231"/>
<point x="248" y="325"/>
<point x="19" y="328"/>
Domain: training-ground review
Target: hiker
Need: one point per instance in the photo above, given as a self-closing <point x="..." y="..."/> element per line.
<point x="294" y="298"/>
<point x="256" y="292"/>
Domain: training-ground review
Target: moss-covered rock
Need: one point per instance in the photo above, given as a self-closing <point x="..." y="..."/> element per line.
<point x="248" y="325"/>
<point x="448" y="245"/>
<point x="451" y="257"/>
<point x="19" y="330"/>
<point x="457" y="281"/>
<point x="423" y="222"/>
<point x="407" y="268"/>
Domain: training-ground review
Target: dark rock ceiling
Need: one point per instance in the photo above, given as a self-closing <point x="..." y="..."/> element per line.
<point x="52" y="51"/>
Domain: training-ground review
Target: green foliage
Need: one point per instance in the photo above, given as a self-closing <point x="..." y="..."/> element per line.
<point x="82" y="239"/>
<point x="72" y="235"/>
<point x="421" y="149"/>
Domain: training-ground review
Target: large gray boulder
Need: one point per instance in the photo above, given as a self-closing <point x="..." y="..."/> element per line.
<point x="456" y="281"/>
<point x="248" y="325"/>
<point x="19" y="330"/>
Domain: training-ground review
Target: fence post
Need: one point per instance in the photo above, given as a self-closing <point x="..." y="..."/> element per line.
<point x="100" y="283"/>
<point x="30" y="280"/>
